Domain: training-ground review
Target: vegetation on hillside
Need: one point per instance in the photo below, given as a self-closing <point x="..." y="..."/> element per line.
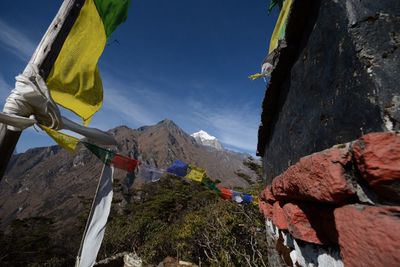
<point x="179" y="218"/>
<point x="173" y="217"/>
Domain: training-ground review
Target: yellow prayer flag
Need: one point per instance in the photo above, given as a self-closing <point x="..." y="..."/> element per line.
<point x="255" y="200"/>
<point x="66" y="141"/>
<point x="196" y="174"/>
<point x="74" y="81"/>
<point x="280" y="26"/>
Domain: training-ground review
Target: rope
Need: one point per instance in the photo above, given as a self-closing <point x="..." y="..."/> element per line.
<point x="31" y="97"/>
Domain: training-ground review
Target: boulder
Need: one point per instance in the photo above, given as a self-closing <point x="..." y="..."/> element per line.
<point x="377" y="156"/>
<point x="266" y="209"/>
<point x="278" y="217"/>
<point x="368" y="236"/>
<point x="267" y="195"/>
<point x="319" y="177"/>
<point x="310" y="223"/>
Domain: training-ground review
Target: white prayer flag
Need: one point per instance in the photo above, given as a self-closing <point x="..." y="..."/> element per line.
<point x="96" y="224"/>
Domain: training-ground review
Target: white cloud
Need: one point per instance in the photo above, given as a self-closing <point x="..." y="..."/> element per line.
<point x="16" y="42"/>
<point x="132" y="102"/>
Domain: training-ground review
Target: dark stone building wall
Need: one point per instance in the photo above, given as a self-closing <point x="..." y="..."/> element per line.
<point x="338" y="79"/>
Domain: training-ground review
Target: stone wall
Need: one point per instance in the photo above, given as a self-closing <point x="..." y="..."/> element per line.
<point x="337" y="79"/>
<point x="340" y="206"/>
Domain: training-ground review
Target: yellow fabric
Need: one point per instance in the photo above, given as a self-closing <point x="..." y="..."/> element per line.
<point x="256" y="76"/>
<point x="280" y="26"/>
<point x="255" y="200"/>
<point x="74" y="81"/>
<point x="196" y="174"/>
<point x="65" y="141"/>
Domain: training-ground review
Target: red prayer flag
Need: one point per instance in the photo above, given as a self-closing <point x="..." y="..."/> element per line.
<point x="125" y="163"/>
<point x="225" y="193"/>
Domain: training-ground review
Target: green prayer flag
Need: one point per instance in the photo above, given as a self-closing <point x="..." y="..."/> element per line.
<point x="207" y="182"/>
<point x="275" y="3"/>
<point x="112" y="13"/>
<point x="103" y="154"/>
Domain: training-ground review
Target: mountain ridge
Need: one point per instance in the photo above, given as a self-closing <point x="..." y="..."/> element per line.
<point x="51" y="182"/>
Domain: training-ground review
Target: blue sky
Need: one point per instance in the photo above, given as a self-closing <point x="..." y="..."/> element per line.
<point x="179" y="59"/>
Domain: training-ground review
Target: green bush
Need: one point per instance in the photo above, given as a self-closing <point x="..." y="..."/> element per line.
<point x="175" y="217"/>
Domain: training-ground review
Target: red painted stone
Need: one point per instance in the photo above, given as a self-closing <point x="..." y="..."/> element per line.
<point x="318" y="177"/>
<point x="266" y="209"/>
<point x="267" y="195"/>
<point x="311" y="224"/>
<point x="378" y="157"/>
<point x="278" y="217"/>
<point x="369" y="236"/>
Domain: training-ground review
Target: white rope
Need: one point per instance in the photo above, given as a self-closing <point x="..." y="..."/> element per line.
<point x="30" y="103"/>
<point x="31" y="97"/>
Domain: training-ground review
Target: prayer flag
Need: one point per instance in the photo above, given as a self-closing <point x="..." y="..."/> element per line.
<point x="179" y="168"/>
<point x="225" y="193"/>
<point x="211" y="185"/>
<point x="74" y="81"/>
<point x="196" y="174"/>
<point x="95" y="227"/>
<point x="247" y="198"/>
<point x="255" y="200"/>
<point x="110" y="157"/>
<point x="64" y="140"/>
<point x="274" y="3"/>
<point x="237" y="197"/>
<point x="151" y="174"/>
<point x="280" y="26"/>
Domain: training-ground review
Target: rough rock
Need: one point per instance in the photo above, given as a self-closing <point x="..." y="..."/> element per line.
<point x="267" y="195"/>
<point x="342" y="81"/>
<point x="368" y="236"/>
<point x="318" y="177"/>
<point x="278" y="217"/>
<point x="266" y="209"/>
<point x="311" y="224"/>
<point x="378" y="159"/>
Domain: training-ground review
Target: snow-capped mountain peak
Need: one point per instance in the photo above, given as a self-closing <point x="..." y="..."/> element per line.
<point x="202" y="137"/>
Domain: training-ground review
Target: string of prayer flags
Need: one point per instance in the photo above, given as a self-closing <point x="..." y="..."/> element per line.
<point x="110" y="157"/>
<point x="196" y="174"/>
<point x="178" y="168"/>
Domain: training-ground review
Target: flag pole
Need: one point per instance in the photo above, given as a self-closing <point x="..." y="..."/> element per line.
<point x="44" y="57"/>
